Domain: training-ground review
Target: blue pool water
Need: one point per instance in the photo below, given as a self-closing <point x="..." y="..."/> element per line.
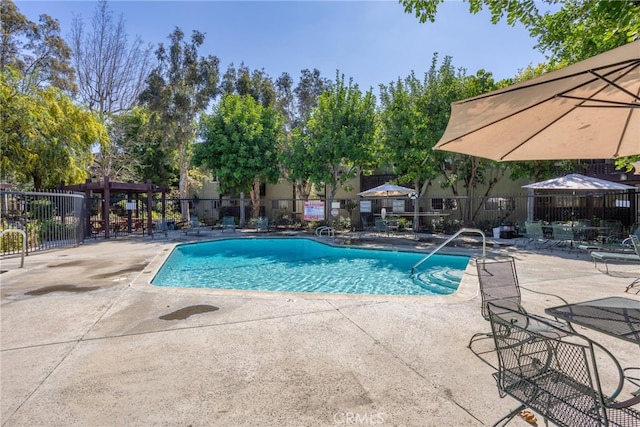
<point x="304" y="265"/>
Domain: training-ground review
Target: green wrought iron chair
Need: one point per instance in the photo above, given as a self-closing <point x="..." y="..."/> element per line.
<point x="556" y="373"/>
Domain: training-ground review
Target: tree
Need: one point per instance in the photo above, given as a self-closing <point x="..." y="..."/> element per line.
<point x="240" y="145"/>
<point x="45" y="137"/>
<point x="296" y="104"/>
<point x="341" y="136"/>
<point x="111" y="74"/>
<point x="178" y="90"/>
<point x="577" y="30"/>
<point x="111" y="71"/>
<point x="256" y="84"/>
<point x="404" y="134"/>
<point x="136" y="151"/>
<point x="35" y="50"/>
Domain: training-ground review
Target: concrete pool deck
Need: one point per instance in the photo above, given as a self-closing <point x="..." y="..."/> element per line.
<point x="86" y="341"/>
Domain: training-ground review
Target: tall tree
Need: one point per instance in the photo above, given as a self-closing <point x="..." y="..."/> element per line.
<point x="178" y="90"/>
<point x="256" y="84"/>
<point x="36" y="50"/>
<point x="341" y="135"/>
<point x="240" y="145"/>
<point x="111" y="71"/>
<point x="296" y="105"/>
<point x="45" y="137"/>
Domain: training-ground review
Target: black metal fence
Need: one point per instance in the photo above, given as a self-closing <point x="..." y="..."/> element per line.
<point x="49" y="219"/>
<point x="429" y="214"/>
<point x="64" y="219"/>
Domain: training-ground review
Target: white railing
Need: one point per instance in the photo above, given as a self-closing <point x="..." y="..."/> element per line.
<point x="442" y="245"/>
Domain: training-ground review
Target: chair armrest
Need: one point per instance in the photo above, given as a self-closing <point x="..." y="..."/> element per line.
<point x="625" y="404"/>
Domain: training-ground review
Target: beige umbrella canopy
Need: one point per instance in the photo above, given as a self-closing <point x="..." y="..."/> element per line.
<point x="577" y="182"/>
<point x="588" y="110"/>
<point x="387" y="190"/>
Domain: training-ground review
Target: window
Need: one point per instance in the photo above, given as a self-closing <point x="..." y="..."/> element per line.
<point x="280" y="204"/>
<point x="444" y="204"/>
<point x="500" y="204"/>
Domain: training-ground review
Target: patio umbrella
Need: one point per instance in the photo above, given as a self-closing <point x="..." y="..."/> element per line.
<point x="387" y="190"/>
<point x="576" y="182"/>
<point x="573" y="182"/>
<point x="588" y="110"/>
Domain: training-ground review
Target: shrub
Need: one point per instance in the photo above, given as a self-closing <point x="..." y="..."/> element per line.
<point x="42" y="210"/>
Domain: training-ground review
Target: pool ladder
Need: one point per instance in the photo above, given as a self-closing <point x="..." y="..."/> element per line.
<point x="442" y="245"/>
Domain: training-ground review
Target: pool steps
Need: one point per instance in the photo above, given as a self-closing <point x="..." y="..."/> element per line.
<point x="440" y="281"/>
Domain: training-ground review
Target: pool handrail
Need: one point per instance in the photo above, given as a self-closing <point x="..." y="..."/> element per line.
<point x="24" y="241"/>
<point x="457" y="233"/>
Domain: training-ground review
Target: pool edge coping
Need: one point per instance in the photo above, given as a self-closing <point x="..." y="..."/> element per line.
<point x="467" y="289"/>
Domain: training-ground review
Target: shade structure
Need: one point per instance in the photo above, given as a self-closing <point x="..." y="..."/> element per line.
<point x="588" y="110"/>
<point x="387" y="190"/>
<point x="577" y="182"/>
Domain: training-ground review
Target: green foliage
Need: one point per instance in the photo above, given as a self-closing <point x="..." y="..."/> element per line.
<point x="239" y="143"/>
<point x="137" y="150"/>
<point x="342" y="223"/>
<point x="568" y="30"/>
<point x="35" y="50"/>
<point x="575" y="30"/>
<point x="256" y="84"/>
<point x="340" y="138"/>
<point x="42" y="210"/>
<point x="45" y="137"/>
<point x="52" y="230"/>
<point x="178" y="91"/>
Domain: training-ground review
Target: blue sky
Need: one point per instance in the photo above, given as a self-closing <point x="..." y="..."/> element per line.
<point x="372" y="42"/>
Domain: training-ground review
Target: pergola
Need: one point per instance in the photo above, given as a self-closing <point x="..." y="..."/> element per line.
<point x="106" y="187"/>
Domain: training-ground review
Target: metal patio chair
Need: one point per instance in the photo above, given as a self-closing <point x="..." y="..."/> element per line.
<point x="228" y="223"/>
<point x="556" y="373"/>
<point x="498" y="281"/>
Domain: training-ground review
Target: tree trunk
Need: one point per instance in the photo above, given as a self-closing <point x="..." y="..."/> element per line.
<point x="243" y="220"/>
<point x="183" y="187"/>
<point x="255" y="199"/>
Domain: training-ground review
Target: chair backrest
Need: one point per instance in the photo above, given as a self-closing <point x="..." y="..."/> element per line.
<point x="534" y="230"/>
<point x="557" y="378"/>
<point x="228" y="220"/>
<point x="498" y="281"/>
<point x="562" y="232"/>
<point x="381" y="224"/>
<point x="636" y="243"/>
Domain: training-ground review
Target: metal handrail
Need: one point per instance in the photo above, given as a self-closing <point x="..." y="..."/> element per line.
<point x="459" y="232"/>
<point x="24" y="241"/>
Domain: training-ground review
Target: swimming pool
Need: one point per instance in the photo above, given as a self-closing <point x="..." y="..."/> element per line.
<point x="305" y="265"/>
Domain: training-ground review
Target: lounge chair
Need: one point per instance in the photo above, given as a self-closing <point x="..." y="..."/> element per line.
<point x="535" y="234"/>
<point x="612" y="244"/>
<point x="563" y="235"/>
<point x="160" y="227"/>
<point x="228" y="223"/>
<point x="498" y="282"/>
<point x="192" y="226"/>
<point x="606" y="256"/>
<point x="262" y="224"/>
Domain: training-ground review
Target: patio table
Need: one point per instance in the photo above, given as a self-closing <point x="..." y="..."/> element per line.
<point x="615" y="316"/>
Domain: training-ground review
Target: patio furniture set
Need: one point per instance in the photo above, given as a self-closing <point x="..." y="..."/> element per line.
<point x="550" y="368"/>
